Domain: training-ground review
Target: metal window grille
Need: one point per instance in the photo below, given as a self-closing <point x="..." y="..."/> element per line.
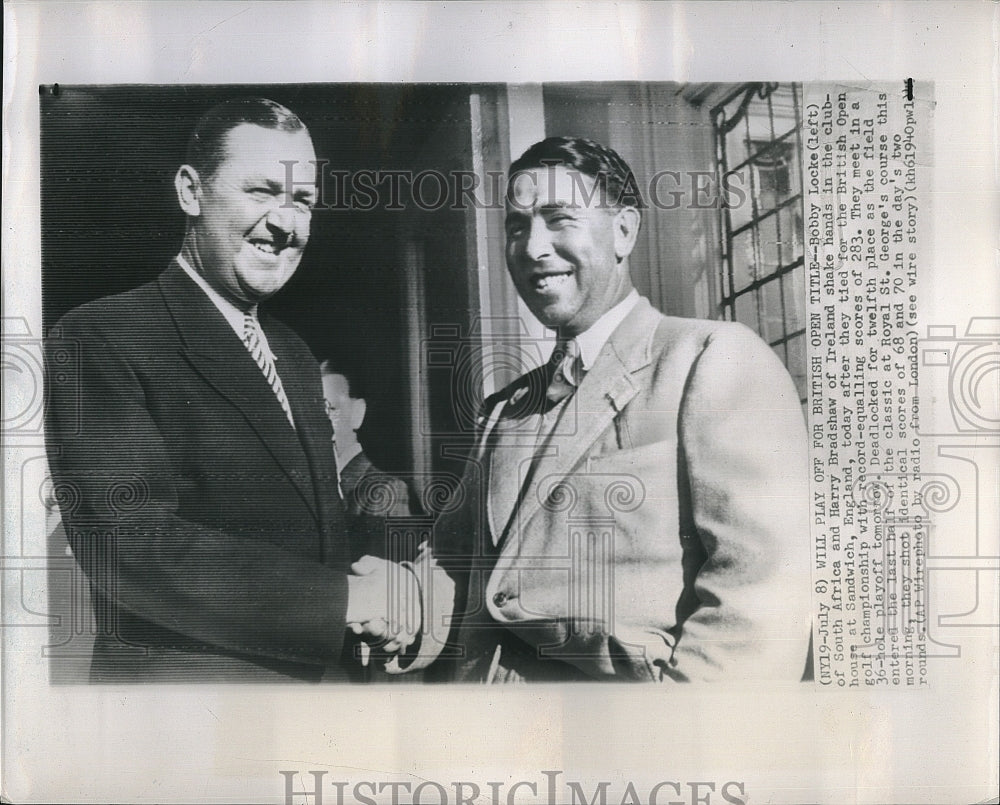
<point x="761" y="281"/>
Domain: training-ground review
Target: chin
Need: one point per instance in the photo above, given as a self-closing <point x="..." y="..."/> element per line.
<point x="554" y="318"/>
<point x="266" y="284"/>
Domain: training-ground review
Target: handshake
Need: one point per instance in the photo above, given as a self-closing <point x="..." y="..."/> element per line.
<point x="384" y="605"/>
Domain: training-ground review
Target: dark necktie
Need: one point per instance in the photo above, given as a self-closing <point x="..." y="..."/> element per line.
<point x="565" y="370"/>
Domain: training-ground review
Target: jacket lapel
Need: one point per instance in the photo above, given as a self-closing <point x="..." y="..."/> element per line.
<point x="216" y="353"/>
<point x="311" y="425"/>
<point x="605" y="390"/>
<point x="502" y="467"/>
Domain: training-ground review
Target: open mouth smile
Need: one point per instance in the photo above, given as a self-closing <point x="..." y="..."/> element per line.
<point x="550" y="279"/>
<point x="264" y="246"/>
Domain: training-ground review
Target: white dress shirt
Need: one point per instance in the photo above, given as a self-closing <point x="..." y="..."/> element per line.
<point x="592" y="340"/>
<point x="230" y="312"/>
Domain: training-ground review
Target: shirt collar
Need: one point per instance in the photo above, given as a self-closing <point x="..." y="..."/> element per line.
<point x="232" y="314"/>
<point x="592" y="341"/>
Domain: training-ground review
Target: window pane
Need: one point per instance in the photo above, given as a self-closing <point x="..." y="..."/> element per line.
<point x="744" y="260"/>
<point x="783" y="109"/>
<point x="771" y="319"/>
<point x="736" y="139"/>
<point x="758" y="119"/>
<point x="794" y="167"/>
<point x="738" y="183"/>
<point x="774" y="176"/>
<point x="767" y="248"/>
<point x="795" y="299"/>
<point x="746" y="310"/>
<point x="790" y="219"/>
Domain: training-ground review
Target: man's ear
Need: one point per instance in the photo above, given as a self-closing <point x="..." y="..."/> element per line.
<point x="188" y="186"/>
<point x="359" y="408"/>
<point x="626" y="227"/>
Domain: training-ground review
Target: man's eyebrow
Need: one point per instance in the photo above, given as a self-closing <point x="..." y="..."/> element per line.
<point x="275" y="186"/>
<point x="263" y="181"/>
<point x="554" y="206"/>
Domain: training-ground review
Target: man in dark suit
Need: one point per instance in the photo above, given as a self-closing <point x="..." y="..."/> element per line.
<point x="192" y="465"/>
<point x="637" y="508"/>
<point x="370" y="494"/>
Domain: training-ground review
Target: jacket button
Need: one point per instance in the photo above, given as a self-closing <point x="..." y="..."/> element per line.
<point x="499" y="599"/>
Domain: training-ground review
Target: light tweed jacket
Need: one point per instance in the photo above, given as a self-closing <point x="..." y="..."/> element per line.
<point x="664" y="535"/>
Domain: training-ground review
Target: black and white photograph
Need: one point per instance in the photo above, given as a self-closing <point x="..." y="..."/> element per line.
<point x="373" y="415"/>
<point x="645" y="528"/>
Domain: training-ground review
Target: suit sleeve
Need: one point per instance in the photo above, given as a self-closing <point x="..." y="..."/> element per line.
<point x="747" y="557"/>
<point x="116" y="487"/>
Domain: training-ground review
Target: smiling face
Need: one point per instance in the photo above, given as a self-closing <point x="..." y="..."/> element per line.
<point x="567" y="253"/>
<point x="247" y="224"/>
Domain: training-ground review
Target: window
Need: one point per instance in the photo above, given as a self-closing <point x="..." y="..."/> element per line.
<point x="761" y="282"/>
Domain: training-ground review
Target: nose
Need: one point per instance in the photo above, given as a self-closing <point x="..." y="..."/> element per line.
<point x="284" y="223"/>
<point x="538" y="242"/>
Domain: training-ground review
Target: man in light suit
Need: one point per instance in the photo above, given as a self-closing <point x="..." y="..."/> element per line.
<point x="193" y="464"/>
<point x="636" y="509"/>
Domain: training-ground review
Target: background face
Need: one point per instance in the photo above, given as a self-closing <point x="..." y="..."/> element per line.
<point x="342" y="409"/>
<point x="253" y="225"/>
<point x="561" y="251"/>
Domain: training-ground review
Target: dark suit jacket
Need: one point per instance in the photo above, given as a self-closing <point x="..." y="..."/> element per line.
<point x="663" y="536"/>
<point x="370" y="496"/>
<point x="210" y="530"/>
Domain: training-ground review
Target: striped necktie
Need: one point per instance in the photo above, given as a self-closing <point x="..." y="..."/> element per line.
<point x="253" y="340"/>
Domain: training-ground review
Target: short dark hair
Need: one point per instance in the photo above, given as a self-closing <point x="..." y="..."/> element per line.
<point x="355" y="388"/>
<point x="615" y="179"/>
<point x="205" y="148"/>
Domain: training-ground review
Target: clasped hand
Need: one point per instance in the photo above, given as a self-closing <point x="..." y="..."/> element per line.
<point x="383" y="604"/>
